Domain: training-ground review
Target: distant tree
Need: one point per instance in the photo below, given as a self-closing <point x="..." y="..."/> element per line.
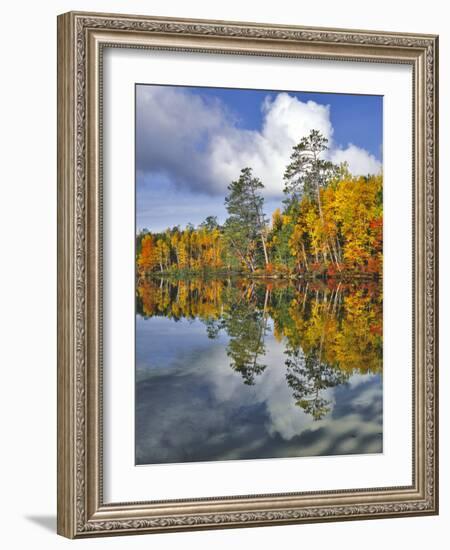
<point x="210" y="223"/>
<point x="148" y="257"/>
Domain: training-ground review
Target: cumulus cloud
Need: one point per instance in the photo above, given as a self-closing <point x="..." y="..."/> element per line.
<point x="285" y="121"/>
<point x="359" y="161"/>
<point x="198" y="144"/>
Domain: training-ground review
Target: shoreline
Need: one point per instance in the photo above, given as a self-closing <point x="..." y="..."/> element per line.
<point x="345" y="276"/>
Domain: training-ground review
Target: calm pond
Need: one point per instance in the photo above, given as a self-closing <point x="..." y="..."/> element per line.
<point x="235" y="368"/>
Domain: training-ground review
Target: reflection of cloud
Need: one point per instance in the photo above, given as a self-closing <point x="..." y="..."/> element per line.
<point x="199" y="409"/>
<point x="197" y="144"/>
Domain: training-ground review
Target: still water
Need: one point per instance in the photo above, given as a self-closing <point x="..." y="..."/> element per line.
<point x="232" y="369"/>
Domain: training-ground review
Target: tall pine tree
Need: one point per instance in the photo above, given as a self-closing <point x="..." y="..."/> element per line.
<point x="246" y="224"/>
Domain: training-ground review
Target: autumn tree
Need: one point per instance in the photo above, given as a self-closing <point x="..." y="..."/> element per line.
<point x="306" y="176"/>
<point x="358" y="212"/>
<point x="279" y="237"/>
<point x="148" y="257"/>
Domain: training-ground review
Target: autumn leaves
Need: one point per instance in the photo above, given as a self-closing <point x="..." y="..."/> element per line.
<point x="330" y="225"/>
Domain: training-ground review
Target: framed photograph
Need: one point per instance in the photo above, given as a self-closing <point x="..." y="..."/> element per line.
<point x="247" y="282"/>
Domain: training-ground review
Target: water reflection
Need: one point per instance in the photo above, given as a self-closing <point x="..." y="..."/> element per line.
<point x="308" y="357"/>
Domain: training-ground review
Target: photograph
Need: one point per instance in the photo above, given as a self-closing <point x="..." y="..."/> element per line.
<point x="247" y="273"/>
<point x="258" y="274"/>
<point x="236" y="238"/>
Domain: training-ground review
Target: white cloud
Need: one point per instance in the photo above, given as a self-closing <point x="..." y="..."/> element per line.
<point x="285" y="121"/>
<point x="360" y="162"/>
<point x="199" y="145"/>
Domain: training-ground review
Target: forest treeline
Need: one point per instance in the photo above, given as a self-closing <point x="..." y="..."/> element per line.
<point x="331" y="224"/>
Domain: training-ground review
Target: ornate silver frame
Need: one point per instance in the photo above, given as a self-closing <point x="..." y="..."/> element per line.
<point x="81" y="39"/>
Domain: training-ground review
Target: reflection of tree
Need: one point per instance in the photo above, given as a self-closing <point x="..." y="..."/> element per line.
<point x="330" y="329"/>
<point x="246" y="325"/>
<point x="176" y="299"/>
<point x="344" y="323"/>
<point x="308" y="377"/>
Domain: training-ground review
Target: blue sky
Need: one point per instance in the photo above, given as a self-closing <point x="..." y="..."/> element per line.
<point x="191" y="142"/>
